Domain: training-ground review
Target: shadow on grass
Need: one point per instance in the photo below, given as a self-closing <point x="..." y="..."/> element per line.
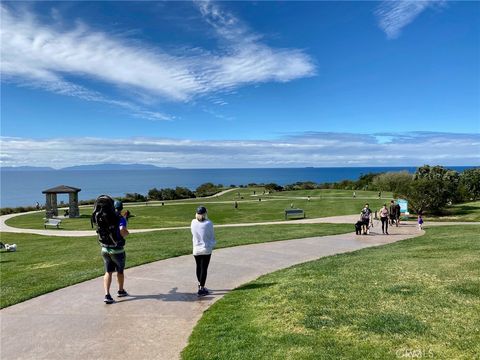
<point x="470" y="288"/>
<point x="255" y="286"/>
<point x="394" y="323"/>
<point x="462" y="210"/>
<point x="403" y="289"/>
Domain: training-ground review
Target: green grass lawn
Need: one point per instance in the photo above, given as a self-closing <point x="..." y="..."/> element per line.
<point x="43" y="264"/>
<point x="222" y="211"/>
<point x="459" y="212"/>
<point x="418" y="298"/>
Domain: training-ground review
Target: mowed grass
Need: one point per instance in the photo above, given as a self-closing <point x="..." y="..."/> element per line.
<point x="250" y="210"/>
<point x="459" y="212"/>
<point x="419" y="298"/>
<point x="42" y="264"/>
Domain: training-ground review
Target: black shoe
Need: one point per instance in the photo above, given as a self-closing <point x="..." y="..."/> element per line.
<point x="202" y="292"/>
<point x="108" y="299"/>
<point x="122" y="293"/>
<point x="387" y="233"/>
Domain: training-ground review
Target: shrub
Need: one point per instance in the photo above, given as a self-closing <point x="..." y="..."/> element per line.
<point x="207" y="189"/>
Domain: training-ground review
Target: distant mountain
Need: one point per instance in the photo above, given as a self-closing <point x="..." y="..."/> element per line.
<point x="26" y="168"/>
<point x="115" y="167"/>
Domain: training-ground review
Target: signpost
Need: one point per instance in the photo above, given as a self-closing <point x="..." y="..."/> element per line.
<point x="403" y="206"/>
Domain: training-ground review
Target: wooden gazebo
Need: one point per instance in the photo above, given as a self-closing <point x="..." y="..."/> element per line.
<point x="51" y="207"/>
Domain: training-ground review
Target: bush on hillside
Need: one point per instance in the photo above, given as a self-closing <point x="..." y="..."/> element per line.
<point x="301" y="185"/>
<point x="207" y="189"/>
<point x="273" y="187"/>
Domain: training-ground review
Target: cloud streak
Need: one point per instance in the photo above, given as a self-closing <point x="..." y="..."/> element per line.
<point x="393" y="16"/>
<point x="299" y="150"/>
<point x="50" y="57"/>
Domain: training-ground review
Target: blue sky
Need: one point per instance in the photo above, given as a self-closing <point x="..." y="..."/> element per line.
<point x="240" y="84"/>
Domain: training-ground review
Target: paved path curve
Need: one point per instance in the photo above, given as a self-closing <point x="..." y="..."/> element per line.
<point x="76" y="233"/>
<point x="156" y="320"/>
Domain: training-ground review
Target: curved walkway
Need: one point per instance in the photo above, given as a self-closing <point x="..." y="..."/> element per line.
<point x="154" y="322"/>
<point x="76" y="233"/>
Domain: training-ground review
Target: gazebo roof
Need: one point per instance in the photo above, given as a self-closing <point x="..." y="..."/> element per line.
<point x="61" y="189"/>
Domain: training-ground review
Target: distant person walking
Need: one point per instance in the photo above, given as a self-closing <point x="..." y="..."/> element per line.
<point x="384" y="218"/>
<point x="365" y="217"/>
<point x="354" y="194"/>
<point x="203" y="238"/>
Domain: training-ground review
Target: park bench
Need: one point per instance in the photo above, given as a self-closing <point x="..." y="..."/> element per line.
<point x="294" y="212"/>
<point x="52" y="222"/>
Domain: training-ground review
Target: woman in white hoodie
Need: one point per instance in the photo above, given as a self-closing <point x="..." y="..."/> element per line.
<point x="203" y="239"/>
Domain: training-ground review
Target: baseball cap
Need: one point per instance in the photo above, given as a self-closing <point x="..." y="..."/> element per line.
<point x="201" y="210"/>
<point x="118" y="205"/>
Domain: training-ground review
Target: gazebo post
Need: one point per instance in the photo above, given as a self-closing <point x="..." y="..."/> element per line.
<point x="73" y="210"/>
<point x="54" y="204"/>
<point x="48" y="206"/>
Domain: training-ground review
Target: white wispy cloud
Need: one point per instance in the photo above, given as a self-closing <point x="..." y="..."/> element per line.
<point x="393" y="16"/>
<point x="51" y="55"/>
<point x="306" y="149"/>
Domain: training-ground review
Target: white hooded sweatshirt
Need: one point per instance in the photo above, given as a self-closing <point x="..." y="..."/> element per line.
<point x="203" y="237"/>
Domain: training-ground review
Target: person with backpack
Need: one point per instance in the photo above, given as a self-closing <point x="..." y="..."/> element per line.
<point x="203" y="239"/>
<point x="112" y="230"/>
<point x="365" y="216"/>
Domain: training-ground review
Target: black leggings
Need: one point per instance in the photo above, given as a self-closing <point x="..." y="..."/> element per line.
<point x="202" y="267"/>
<point x="384" y="224"/>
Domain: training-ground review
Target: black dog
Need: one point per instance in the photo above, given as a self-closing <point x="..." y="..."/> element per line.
<point x="358" y="227"/>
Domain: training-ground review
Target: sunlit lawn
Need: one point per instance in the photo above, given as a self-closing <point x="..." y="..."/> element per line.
<point x="419" y="298"/>
<point x="45" y="263"/>
<point x="222" y="211"/>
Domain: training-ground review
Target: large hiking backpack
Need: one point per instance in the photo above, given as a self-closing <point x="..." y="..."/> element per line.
<point x="107" y="222"/>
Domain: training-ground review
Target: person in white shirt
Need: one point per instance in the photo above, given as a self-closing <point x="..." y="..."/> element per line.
<point x="384" y="213"/>
<point x="203" y="238"/>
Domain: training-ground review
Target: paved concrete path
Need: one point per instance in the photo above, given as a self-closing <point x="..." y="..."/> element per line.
<point x="154" y="322"/>
<point x="347" y="219"/>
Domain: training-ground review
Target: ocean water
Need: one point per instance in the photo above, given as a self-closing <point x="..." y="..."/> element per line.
<point x="24" y="188"/>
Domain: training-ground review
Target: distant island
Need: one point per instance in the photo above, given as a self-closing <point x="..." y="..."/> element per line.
<point x="25" y="168"/>
<point x="88" y="167"/>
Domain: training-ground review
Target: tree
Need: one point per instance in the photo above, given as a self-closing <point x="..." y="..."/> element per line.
<point x="207" y="189"/>
<point x="154" y="194"/>
<point x="470" y="181"/>
<point x="133" y="197"/>
<point x="273" y="187"/>
<point x="432" y="189"/>
<point x="426" y="195"/>
<point x="365" y="181"/>
<point x="449" y="178"/>
<point x="183" y="193"/>
<point x="395" y="182"/>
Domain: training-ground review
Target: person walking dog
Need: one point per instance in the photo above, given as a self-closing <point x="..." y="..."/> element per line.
<point x="203" y="239"/>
